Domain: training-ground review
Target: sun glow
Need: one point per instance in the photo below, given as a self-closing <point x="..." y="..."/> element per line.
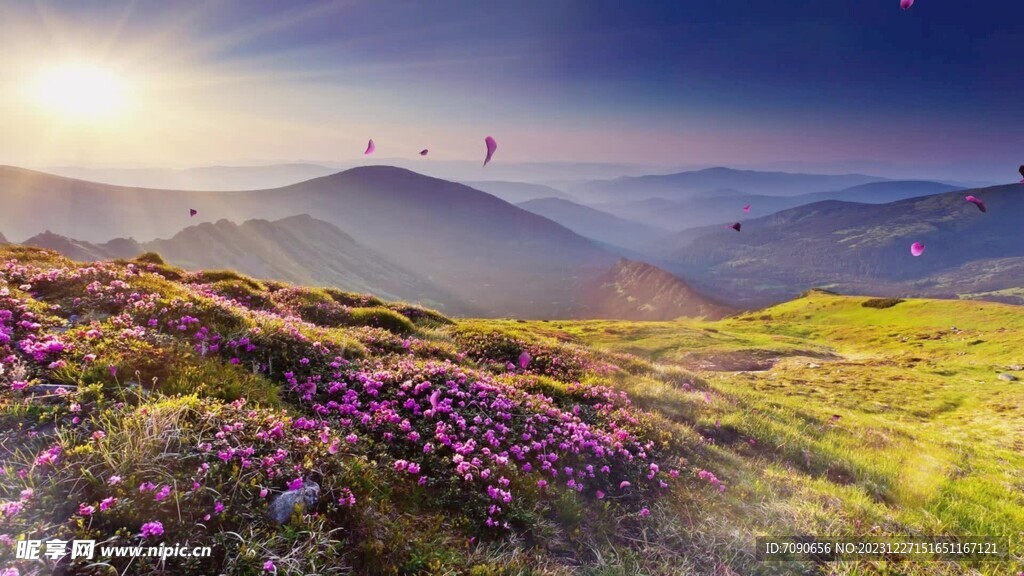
<point x="80" y="92"/>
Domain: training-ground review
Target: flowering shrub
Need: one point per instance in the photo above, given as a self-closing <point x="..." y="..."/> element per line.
<point x="280" y="387"/>
<point x="498" y="349"/>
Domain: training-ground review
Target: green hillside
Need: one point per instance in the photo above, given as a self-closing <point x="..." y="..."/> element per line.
<point x="831" y="417"/>
<point x="141" y="404"/>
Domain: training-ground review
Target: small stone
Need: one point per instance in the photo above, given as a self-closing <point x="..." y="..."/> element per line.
<point x="284" y="505"/>
<point x="1008" y="377"/>
<point x="1015" y="367"/>
<point x="813" y="365"/>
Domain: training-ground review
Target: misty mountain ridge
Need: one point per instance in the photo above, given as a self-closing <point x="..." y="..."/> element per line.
<point x="726" y="206"/>
<point x="856" y="248"/>
<point x="684" y="185"/>
<point x="593" y="223"/>
<point x="293" y="249"/>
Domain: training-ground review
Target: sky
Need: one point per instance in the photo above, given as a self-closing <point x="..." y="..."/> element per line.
<point x="838" y="85"/>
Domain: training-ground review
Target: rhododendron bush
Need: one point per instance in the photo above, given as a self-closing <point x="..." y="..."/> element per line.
<point x="143" y="403"/>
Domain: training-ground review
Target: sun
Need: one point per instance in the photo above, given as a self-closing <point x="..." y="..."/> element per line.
<point x="80" y="92"/>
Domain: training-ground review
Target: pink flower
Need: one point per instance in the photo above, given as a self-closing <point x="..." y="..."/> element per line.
<point x="146" y="487"/>
<point x="295" y="484"/>
<point x="218" y="508"/>
<point x="164" y="492"/>
<point x="600" y="495"/>
<point x="99" y="435"/>
<point x="624" y="484"/>
<point x="27" y="494"/>
<point x="644" y="512"/>
<point x="263" y="493"/>
<point x="85" y="510"/>
<point x="113" y="480"/>
<point x="150" y="529"/>
<point x="542" y="483"/>
<point x="107" y="503"/>
<point x="351" y="438"/>
<point x="268" y="566"/>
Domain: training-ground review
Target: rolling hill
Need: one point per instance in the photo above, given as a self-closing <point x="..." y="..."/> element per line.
<point x="484" y="251"/>
<point x="853" y="247"/>
<point x="198" y="178"/>
<point x="641" y="291"/>
<point x="593" y="223"/>
<point x="295" y="249"/>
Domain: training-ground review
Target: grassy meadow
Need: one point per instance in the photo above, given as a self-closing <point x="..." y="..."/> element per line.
<point x="827" y="416"/>
<point x="141" y="403"/>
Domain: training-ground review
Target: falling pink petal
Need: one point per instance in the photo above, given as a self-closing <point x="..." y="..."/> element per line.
<point x="192" y="212"/>
<point x="735" y="226"/>
<point x="435" y="398"/>
<point x="906" y="4"/>
<point x="1022" y="173"/>
<point x="917" y="249"/>
<point x="524" y="360"/>
<point x="977" y="202"/>
<point x="746" y="208"/>
<point x="491" y="147"/>
<point x="424" y="152"/>
<point x="370" y="147"/>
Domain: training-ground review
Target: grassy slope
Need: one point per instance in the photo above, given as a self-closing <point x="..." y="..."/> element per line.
<point x="928" y="439"/>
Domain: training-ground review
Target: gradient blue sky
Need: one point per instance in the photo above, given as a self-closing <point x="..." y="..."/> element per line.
<point x="840" y="83"/>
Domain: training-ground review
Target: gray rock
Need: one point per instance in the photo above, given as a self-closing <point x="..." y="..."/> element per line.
<point x="1008" y="377"/>
<point x="1015" y="367"/>
<point x="285" y="504"/>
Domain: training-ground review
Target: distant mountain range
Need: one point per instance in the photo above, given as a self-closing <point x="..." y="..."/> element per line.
<point x="859" y="248"/>
<point x="380" y="229"/>
<point x="297" y="249"/>
<point x="402" y="235"/>
<point x="252" y="177"/>
<point x="200" y="178"/>
<point x="516" y="192"/>
<point x="595" y="224"/>
<point x="723" y="206"/>
<point x="698" y="183"/>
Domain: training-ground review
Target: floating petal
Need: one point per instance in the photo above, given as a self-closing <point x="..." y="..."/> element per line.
<point x="977" y="202"/>
<point x="491" y="147"/>
<point x="746" y="208"/>
<point x="370" y="147"/>
<point x="906" y="4"/>
<point x="424" y="152"/>
<point x="917" y="249"/>
<point x="735" y="226"/>
<point x="524" y="360"/>
<point x="192" y="212"/>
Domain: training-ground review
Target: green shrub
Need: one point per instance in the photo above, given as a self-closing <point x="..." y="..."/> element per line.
<point x="351" y="299"/>
<point x="378" y="317"/>
<point x="150" y="258"/>
<point x="881" y="302"/>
